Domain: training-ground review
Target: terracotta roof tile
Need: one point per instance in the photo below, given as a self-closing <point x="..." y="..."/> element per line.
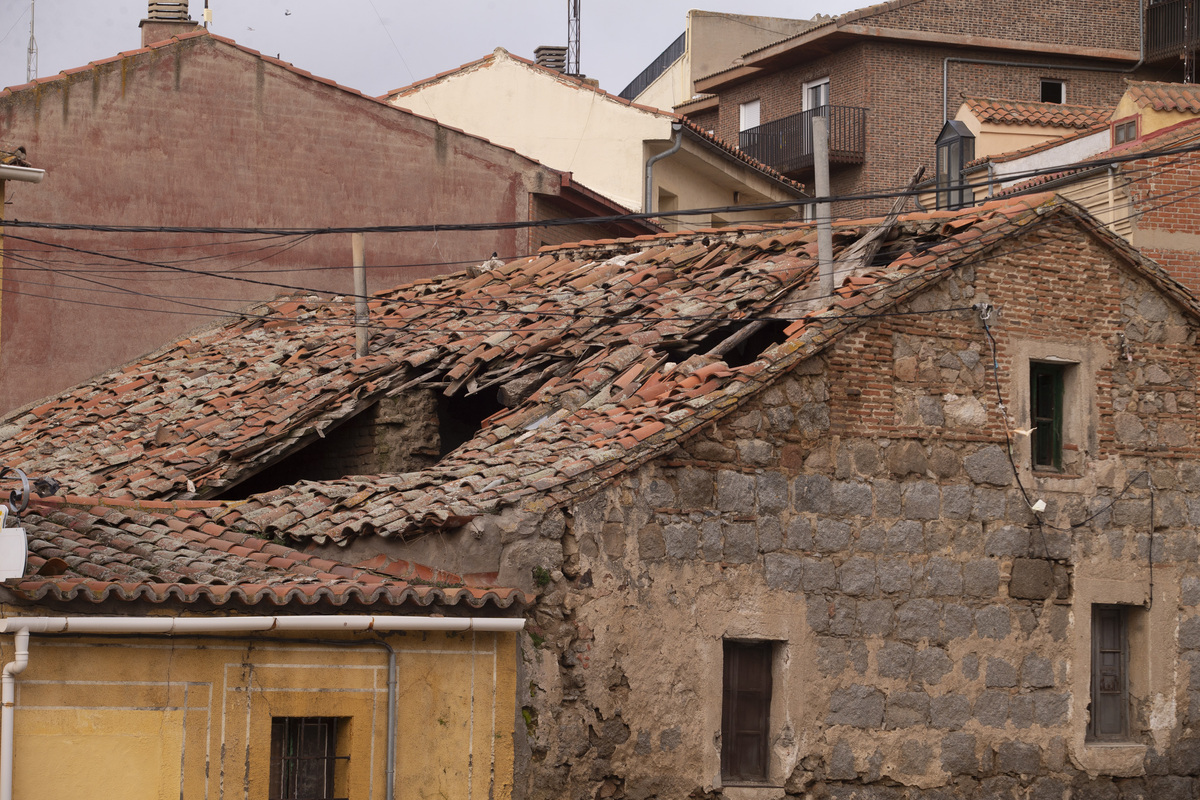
<point x="1022" y="112"/>
<point x="616" y="339"/>
<point x="1180" y="97"/>
<point x="97" y="559"/>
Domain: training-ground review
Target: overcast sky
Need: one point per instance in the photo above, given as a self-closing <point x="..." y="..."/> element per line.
<point x="379" y="45"/>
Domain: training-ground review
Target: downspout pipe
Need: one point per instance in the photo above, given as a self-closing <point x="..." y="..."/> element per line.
<point x="647" y="204"/>
<point x="21" y="627"/>
<point x="946" y="63"/>
<point x="8" y="695"/>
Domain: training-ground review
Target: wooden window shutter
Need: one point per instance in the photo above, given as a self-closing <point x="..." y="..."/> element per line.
<point x="1110" y="684"/>
<point x="746" y="711"/>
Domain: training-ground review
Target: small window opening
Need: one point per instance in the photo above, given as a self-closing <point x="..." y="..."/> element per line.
<point x="1124" y="131"/>
<point x="746" y="711"/>
<point x="1046" y="385"/>
<point x="1110" y="673"/>
<point x="955" y="148"/>
<point x="306" y="762"/>
<point x="1054" y="91"/>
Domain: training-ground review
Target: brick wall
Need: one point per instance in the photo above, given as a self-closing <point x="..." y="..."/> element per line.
<point x="1164" y="192"/>
<point x="900" y="85"/>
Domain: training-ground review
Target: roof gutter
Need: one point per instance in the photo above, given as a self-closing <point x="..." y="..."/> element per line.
<point x="647" y="207"/>
<point x="11" y="172"/>
<point x="946" y="63"/>
<point x="21" y="627"/>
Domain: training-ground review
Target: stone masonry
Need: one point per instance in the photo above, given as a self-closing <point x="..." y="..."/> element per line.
<point x="931" y="633"/>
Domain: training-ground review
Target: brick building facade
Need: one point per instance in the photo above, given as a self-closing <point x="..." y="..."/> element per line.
<point x="908" y="64"/>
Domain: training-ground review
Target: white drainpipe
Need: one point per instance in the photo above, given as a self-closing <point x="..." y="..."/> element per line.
<point x="21" y="627"/>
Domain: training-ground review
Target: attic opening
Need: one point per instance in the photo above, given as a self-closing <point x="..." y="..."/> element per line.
<point x="738" y="343"/>
<point x="407" y="433"/>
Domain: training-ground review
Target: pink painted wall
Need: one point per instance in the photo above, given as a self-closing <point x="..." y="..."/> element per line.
<point x="200" y="132"/>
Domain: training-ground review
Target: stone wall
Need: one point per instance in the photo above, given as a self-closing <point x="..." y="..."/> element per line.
<point x="931" y="636"/>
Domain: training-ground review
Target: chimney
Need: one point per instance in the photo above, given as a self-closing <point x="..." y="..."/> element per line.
<point x="552" y="57"/>
<point x="164" y="20"/>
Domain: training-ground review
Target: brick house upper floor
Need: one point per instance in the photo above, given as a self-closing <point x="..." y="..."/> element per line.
<point x="888" y="76"/>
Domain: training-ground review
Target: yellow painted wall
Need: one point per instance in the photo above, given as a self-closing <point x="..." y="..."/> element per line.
<point x="154" y="718"/>
<point x="1151" y="120"/>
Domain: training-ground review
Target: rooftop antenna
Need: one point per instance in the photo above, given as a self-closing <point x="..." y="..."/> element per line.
<point x="573" y="37"/>
<point x="31" y="54"/>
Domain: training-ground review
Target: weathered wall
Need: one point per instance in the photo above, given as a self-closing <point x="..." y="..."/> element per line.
<point x="147" y="718"/>
<point x="932" y="639"/>
<point x="201" y="133"/>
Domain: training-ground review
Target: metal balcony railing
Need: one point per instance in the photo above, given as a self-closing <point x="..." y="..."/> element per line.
<point x="657" y="67"/>
<point x="787" y="145"/>
<point x="1172" y="26"/>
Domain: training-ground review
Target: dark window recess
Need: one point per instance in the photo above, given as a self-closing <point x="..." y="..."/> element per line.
<point x="1124" y="131"/>
<point x="1046" y="414"/>
<point x="955" y="148"/>
<point x="746" y="711"/>
<point x="1110" y="679"/>
<point x="460" y="418"/>
<point x="1054" y="91"/>
<point x="304" y="760"/>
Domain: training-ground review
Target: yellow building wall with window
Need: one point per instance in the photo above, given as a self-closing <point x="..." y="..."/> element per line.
<point x="153" y="717"/>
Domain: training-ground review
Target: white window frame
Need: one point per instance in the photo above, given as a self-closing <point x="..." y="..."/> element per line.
<point x="749" y="115"/>
<point x="1059" y="81"/>
<point x="813" y="84"/>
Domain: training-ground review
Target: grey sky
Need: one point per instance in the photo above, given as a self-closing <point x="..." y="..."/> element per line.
<point x="378" y="45"/>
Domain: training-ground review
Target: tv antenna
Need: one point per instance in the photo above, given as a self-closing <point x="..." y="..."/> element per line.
<point x="31" y="54"/>
<point x="573" y="37"/>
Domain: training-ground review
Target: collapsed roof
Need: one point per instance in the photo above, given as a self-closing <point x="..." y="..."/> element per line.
<point x="605" y="354"/>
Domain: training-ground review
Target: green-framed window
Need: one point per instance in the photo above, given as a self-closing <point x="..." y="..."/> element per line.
<point x="1046" y="413"/>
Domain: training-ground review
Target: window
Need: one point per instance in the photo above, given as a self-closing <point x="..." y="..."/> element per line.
<point x="1124" y="131"/>
<point x="1046" y="382"/>
<point x="305" y="761"/>
<point x="955" y="148"/>
<point x="746" y="711"/>
<point x="748" y="115"/>
<point x="1110" y="673"/>
<point x="816" y="94"/>
<point x="1054" y="91"/>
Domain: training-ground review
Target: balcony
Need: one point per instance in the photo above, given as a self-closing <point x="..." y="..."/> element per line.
<point x="787" y="144"/>
<point x="1172" y="27"/>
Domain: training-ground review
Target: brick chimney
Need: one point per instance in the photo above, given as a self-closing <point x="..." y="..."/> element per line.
<point x="166" y="19"/>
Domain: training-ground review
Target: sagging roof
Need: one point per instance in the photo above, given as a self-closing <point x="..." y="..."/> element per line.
<point x="620" y="349"/>
<point x="1021" y="112"/>
<point x="94" y="550"/>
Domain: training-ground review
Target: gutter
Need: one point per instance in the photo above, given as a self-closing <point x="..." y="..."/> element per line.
<point x="21" y="627"/>
<point x="10" y="172"/>
<point x="647" y="205"/>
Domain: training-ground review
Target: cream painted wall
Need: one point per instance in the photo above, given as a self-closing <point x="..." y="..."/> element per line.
<point x="555" y="121"/>
<point x="602" y="141"/>
<point x="152" y="719"/>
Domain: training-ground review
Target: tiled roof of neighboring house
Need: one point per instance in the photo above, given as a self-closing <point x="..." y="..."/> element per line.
<point x="1148" y="145"/>
<point x="94" y="550"/>
<point x="1021" y="112"/>
<point x="1183" y="97"/>
<point x="611" y="343"/>
<point x="692" y="128"/>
